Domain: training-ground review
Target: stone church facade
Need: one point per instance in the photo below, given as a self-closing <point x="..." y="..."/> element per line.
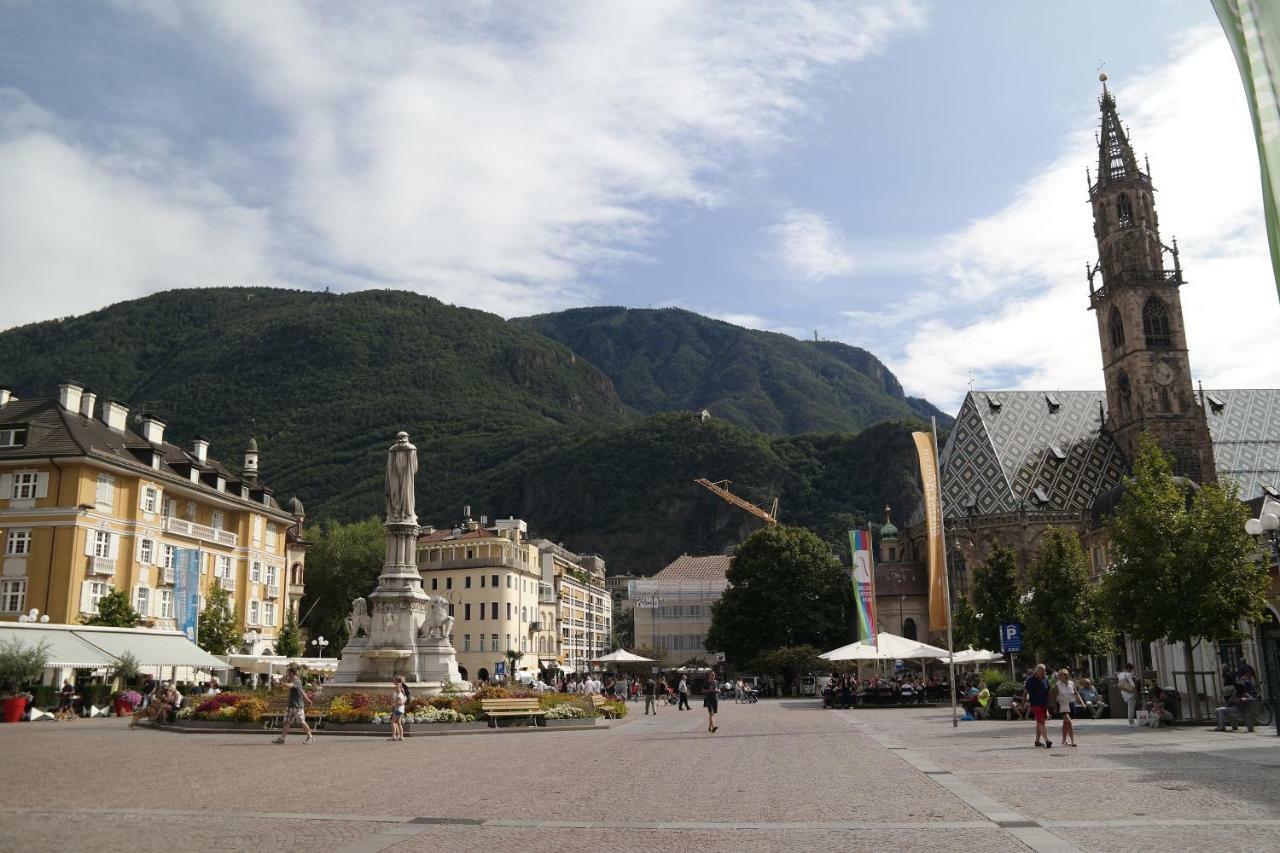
<point x="1018" y="462"/>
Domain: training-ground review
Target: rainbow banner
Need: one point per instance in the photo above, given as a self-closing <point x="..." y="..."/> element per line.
<point x="864" y="584"/>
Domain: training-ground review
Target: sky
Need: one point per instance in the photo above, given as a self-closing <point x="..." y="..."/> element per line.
<point x="908" y="177"/>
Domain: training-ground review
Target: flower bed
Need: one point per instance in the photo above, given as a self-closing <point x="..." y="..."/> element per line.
<point x="238" y="707"/>
<point x="426" y="715"/>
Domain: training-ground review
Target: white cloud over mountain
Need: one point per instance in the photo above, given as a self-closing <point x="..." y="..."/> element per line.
<point x="809" y="246"/>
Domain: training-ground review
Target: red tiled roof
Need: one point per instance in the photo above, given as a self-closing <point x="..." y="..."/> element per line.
<point x="450" y="536"/>
<point x="686" y="568"/>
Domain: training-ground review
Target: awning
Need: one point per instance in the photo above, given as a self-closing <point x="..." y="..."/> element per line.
<point x="64" y="647"/>
<point x="151" y="648"/>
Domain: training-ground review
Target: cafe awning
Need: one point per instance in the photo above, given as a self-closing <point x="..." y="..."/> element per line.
<point x="64" y="648"/>
<point x="151" y="648"/>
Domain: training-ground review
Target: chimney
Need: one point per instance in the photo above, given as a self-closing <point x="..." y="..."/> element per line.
<point x="6" y="395"/>
<point x="116" y="414"/>
<point x="69" y="396"/>
<point x="153" y="429"/>
<point x="466" y="512"/>
<point x="87" y="401"/>
<point x="200" y="447"/>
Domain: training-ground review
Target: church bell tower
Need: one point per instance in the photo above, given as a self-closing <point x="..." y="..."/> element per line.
<point x="1139" y="311"/>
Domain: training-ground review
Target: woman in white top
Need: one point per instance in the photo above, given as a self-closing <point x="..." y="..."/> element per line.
<point x="398" y="700"/>
<point x="1066" y="692"/>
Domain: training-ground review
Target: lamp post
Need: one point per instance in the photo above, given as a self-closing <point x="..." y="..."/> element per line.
<point x="1267" y="525"/>
<point x="320" y="642"/>
<point x="33" y="615"/>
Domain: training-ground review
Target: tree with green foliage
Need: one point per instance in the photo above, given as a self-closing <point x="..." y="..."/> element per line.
<point x="343" y="564"/>
<point x="624" y="629"/>
<point x="1060" y="618"/>
<point x="21" y="663"/>
<point x="115" y="611"/>
<point x="219" y="631"/>
<point x="964" y="625"/>
<point x="786" y="588"/>
<point x="790" y="662"/>
<point x="1183" y="569"/>
<point x="289" y="640"/>
<point x="995" y="595"/>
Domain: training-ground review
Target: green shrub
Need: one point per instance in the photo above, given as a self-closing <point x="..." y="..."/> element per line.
<point x="1009" y="688"/>
<point x="993" y="678"/>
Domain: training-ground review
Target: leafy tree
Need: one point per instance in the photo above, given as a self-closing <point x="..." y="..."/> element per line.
<point x="127" y="667"/>
<point x="624" y="629"/>
<point x="289" y="640"/>
<point x="343" y="564"/>
<point x="964" y="625"/>
<point x="1182" y="570"/>
<point x="790" y="662"/>
<point x="114" y="611"/>
<point x="995" y="595"/>
<point x="1060" y="620"/>
<point x="219" y="631"/>
<point x="786" y="589"/>
<point x="21" y="664"/>
<point x="513" y="658"/>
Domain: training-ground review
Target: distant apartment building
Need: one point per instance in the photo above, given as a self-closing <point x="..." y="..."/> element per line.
<point x="88" y="505"/>
<point x="673" y="608"/>
<point x="508" y="592"/>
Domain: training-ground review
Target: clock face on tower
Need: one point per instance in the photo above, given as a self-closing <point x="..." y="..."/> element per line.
<point x="1162" y="373"/>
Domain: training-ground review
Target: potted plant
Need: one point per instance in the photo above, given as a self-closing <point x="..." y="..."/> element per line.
<point x="125" y="701"/>
<point x="20" y="664"/>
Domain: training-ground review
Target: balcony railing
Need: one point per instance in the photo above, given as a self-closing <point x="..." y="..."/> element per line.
<point x="228" y="583"/>
<point x="273" y="590"/>
<point x="167" y="575"/>
<point x="200" y="531"/>
<point x="102" y="565"/>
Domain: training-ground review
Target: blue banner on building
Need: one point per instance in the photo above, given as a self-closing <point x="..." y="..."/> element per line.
<point x="186" y="590"/>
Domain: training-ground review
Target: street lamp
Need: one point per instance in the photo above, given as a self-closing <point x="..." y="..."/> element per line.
<point x="1267" y="524"/>
<point x="34" y="616"/>
<point x="320" y="642"/>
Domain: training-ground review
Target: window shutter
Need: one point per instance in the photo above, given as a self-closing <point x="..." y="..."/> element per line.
<point x="88" y="542"/>
<point x="42" y="485"/>
<point x="113" y="545"/>
<point x="6" y="486"/>
<point x="137" y="549"/>
<point x="142" y="495"/>
<point x="84" y="596"/>
<point x="157" y="553"/>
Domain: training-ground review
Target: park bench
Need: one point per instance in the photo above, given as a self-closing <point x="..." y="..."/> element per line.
<point x="600" y="704"/>
<point x="495" y="709"/>
<point x="273" y="717"/>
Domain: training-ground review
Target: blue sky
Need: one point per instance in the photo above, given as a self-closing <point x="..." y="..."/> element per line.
<point x="907" y="177"/>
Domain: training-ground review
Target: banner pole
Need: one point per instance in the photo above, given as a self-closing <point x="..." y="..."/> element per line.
<point x="946" y="573"/>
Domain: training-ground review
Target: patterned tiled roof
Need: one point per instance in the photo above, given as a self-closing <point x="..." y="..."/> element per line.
<point x="1245" y="426"/>
<point x="686" y="568"/>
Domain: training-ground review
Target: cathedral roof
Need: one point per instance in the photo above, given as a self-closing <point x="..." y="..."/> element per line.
<point x="1245" y="427"/>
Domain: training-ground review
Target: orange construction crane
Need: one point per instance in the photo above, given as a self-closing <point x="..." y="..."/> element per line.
<point x="721" y="488"/>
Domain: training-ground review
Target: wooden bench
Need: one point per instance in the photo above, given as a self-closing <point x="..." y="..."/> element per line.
<point x="495" y="709"/>
<point x="273" y="717"/>
<point x="600" y="704"/>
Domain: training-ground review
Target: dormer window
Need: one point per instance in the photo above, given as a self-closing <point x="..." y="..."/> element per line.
<point x="1216" y="404"/>
<point x="1039" y="495"/>
<point x="994" y="403"/>
<point x="1057" y="453"/>
<point x="13" y="436"/>
<point x="1053" y="402"/>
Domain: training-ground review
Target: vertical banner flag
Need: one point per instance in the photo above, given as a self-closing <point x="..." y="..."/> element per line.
<point x="1252" y="28"/>
<point x="864" y="584"/>
<point x="939" y="618"/>
<point x="186" y="589"/>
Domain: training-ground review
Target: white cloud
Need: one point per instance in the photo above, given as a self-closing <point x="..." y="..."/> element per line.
<point x="807" y="245"/>
<point x="1010" y="303"/>
<point x="493" y="156"/>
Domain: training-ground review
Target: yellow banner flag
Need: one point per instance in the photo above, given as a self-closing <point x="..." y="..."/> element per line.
<point x="939" y="617"/>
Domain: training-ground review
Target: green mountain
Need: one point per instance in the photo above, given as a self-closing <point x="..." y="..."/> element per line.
<point x="669" y="359"/>
<point x="507" y="419"/>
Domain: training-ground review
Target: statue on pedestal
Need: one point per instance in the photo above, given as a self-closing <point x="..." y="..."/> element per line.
<point x="402" y="467"/>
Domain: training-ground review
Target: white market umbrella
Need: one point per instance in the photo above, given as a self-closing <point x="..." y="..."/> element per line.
<point x="888" y="647"/>
<point x="623" y="656"/>
<point x="970" y="655"/>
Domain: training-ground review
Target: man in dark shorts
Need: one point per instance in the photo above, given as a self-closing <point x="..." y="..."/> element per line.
<point x="1037" y="687"/>
<point x="711" y="700"/>
<point x="295" y="711"/>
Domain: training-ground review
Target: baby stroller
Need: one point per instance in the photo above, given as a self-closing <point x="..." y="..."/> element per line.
<point x="749" y="695"/>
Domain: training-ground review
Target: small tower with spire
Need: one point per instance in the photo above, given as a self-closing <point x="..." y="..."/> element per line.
<point x="250" y="472"/>
<point x="1139" y="309"/>
<point x="889" y="551"/>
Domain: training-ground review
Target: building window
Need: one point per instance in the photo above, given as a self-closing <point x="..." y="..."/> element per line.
<point x="13" y="596"/>
<point x="150" y="499"/>
<point x="1155" y="323"/>
<point x="448" y="583"/>
<point x="1117" y="329"/>
<point x="142" y="600"/>
<point x="269" y="612"/>
<point x="146" y="551"/>
<point x="508" y="609"/>
<point x="24" y="485"/>
<point x="466" y="612"/>
<point x="272" y="533"/>
<point x="1124" y="211"/>
<point x="435" y="583"/>
<point x="524" y="614"/>
<point x="215" y="519"/>
<point x="493" y="581"/>
<point x="170" y="556"/>
<point x="19" y="543"/>
<point x="482" y="581"/>
<point x="13" y="436"/>
<point x="493" y="638"/>
<point x="166" y="604"/>
<point x="466" y="642"/>
<point x="508" y="581"/>
<point x="253" y="611"/>
<point x="466" y="582"/>
<point x="101" y="543"/>
<point x="471" y="553"/>
<point x="106" y="494"/>
<point x="255" y="571"/>
<point x="272" y="575"/>
<point x="97" y="589"/>
<point x="493" y="610"/>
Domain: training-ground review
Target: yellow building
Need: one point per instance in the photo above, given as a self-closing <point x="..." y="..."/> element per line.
<point x="87" y="505"/>
<point x="583" y="605"/>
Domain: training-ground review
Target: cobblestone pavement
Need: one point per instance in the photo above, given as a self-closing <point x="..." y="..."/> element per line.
<point x="779" y="775"/>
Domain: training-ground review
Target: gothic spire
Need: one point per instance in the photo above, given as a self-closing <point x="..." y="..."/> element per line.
<point x="1116" y="161"/>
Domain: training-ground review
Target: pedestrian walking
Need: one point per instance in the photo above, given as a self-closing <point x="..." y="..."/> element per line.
<point x="1037" y="687"/>
<point x="1128" y="689"/>
<point x="711" y="701"/>
<point x="1065" y="691"/>
<point x="650" y="690"/>
<point x="683" y="690"/>
<point x="296" y="710"/>
<point x="399" y="699"/>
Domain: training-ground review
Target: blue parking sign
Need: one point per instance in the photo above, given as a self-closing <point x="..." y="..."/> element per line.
<point x="1011" y="638"/>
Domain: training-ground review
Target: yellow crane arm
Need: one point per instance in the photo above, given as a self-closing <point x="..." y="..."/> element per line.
<point x="720" y="490"/>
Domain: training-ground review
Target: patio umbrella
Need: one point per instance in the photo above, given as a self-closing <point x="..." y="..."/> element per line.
<point x="623" y="656"/>
<point x="970" y="655"/>
<point x="888" y="647"/>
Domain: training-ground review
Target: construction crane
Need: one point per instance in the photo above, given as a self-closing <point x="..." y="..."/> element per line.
<point x="721" y="488"/>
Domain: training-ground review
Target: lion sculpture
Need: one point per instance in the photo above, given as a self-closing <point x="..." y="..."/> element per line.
<point x="438" y="623"/>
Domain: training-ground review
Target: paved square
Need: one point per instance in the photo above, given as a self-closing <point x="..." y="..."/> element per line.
<point x="778" y="775"/>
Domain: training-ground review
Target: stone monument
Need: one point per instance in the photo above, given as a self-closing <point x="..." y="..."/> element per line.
<point x="400" y="630"/>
